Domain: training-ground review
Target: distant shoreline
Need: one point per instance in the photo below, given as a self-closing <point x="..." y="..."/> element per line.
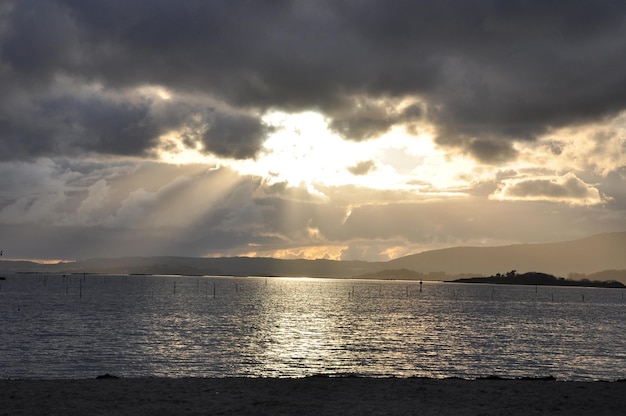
<point x="526" y="279"/>
<point x="598" y="257"/>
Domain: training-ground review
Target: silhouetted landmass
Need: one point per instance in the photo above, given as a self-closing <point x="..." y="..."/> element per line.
<point x="194" y="266"/>
<point x="574" y="258"/>
<point x="537" y="279"/>
<point x="586" y="255"/>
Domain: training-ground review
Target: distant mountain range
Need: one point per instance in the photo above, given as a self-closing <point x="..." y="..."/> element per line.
<point x="587" y="255"/>
<point x="602" y="254"/>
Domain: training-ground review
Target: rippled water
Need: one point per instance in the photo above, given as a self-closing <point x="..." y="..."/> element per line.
<point x="82" y="326"/>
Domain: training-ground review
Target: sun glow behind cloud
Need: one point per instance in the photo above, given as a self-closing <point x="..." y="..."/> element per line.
<point x="304" y="151"/>
<point x="304" y="161"/>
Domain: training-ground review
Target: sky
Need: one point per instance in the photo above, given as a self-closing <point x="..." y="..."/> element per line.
<point x="346" y="130"/>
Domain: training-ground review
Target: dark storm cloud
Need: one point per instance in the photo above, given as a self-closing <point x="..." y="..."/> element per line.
<point x="362" y="119"/>
<point x="235" y="135"/>
<point x="121" y="123"/>
<point x="491" y="150"/>
<point x="487" y="72"/>
<point x="39" y="39"/>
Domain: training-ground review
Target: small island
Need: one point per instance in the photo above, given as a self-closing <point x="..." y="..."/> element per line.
<point x="537" y="279"/>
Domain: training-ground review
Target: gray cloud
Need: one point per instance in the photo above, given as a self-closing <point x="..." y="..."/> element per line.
<point x="362" y="168"/>
<point x="39" y="40"/>
<point x="235" y="135"/>
<point x="492" y="151"/>
<point x="125" y="122"/>
<point x="570" y="189"/>
<point x="486" y="72"/>
<point x="362" y="119"/>
<point x="567" y="188"/>
<point x="615" y="186"/>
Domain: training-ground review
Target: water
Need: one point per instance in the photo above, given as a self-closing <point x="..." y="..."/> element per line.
<point x="79" y="326"/>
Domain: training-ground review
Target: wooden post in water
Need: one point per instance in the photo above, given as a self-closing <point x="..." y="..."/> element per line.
<point x="213" y="290"/>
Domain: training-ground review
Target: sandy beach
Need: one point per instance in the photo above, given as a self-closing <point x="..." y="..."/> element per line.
<point x="310" y="396"/>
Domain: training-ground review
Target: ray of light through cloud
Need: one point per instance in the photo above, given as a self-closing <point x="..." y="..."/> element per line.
<point x="341" y="130"/>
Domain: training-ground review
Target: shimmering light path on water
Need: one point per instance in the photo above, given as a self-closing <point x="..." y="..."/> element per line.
<point x="81" y="326"/>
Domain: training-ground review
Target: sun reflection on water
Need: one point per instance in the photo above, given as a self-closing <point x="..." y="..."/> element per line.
<point x="261" y="327"/>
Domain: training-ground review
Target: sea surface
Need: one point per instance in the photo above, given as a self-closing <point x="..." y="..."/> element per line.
<point x="81" y="326"/>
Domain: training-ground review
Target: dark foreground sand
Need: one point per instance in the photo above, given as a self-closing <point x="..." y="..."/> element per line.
<point x="310" y="396"/>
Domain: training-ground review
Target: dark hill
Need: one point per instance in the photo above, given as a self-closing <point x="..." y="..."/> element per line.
<point x="587" y="255"/>
<point x="581" y="258"/>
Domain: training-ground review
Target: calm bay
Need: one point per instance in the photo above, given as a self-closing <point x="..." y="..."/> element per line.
<point x="81" y="326"/>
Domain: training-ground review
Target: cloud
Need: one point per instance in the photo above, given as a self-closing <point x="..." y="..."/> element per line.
<point x="94" y="93"/>
<point x="360" y="118"/>
<point x="235" y="135"/>
<point x="492" y="151"/>
<point x="86" y="119"/>
<point x="362" y="168"/>
<point x="567" y="188"/>
<point x="37" y="193"/>
<point x="615" y="186"/>
<point x="592" y="147"/>
<point x="67" y="210"/>
<point x="485" y="74"/>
